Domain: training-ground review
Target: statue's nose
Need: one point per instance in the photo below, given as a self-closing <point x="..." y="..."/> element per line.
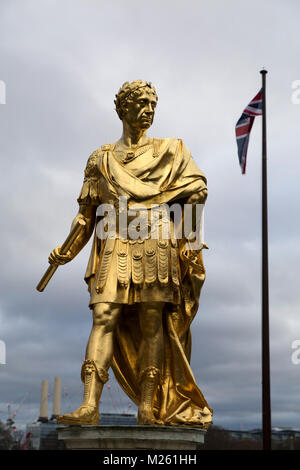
<point x="149" y="108"/>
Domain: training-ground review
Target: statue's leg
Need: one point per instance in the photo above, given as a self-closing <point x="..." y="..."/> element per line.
<point x="94" y="372"/>
<point x="150" y="358"/>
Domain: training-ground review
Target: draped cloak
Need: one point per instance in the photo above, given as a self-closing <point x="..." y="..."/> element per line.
<point x="166" y="173"/>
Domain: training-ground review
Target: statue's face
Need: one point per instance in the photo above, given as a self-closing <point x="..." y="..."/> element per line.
<point x="140" y="112"/>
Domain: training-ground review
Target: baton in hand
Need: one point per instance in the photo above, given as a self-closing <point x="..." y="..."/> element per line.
<point x="63" y="251"/>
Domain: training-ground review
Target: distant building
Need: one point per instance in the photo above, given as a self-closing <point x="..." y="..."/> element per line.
<point x="43" y="434"/>
<point x="116" y="419"/>
<point x="255" y="434"/>
<point x="278" y="434"/>
<point x="282" y="434"/>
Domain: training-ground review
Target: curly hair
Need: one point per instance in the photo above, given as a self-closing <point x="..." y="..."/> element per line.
<point x="128" y="92"/>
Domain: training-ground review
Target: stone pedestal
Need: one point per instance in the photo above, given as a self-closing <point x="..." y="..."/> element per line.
<point x="131" y="437"/>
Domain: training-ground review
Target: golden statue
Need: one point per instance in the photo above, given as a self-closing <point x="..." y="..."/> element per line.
<point x="144" y="292"/>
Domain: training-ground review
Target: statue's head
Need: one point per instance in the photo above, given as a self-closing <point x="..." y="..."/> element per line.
<point x="136" y="102"/>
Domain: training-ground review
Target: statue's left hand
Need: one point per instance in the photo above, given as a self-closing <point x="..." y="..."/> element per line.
<point x="198" y="198"/>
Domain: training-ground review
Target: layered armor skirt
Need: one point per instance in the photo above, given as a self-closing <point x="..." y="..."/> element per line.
<point x="132" y="271"/>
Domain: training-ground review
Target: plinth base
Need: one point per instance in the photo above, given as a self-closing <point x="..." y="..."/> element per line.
<point x="131" y="437"/>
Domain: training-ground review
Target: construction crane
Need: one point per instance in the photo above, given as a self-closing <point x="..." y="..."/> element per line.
<point x="10" y="422"/>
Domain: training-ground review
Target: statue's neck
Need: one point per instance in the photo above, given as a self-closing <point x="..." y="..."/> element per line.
<point x="132" y="137"/>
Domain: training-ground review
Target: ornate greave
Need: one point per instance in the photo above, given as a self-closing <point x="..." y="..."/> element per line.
<point x="93" y="379"/>
<point x="90" y="366"/>
<point x="88" y="413"/>
<point x="149" y="379"/>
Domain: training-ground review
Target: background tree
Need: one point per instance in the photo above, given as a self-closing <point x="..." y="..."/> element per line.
<point x="6" y="440"/>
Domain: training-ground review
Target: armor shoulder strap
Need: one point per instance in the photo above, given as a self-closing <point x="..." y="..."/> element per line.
<point x="105" y="147"/>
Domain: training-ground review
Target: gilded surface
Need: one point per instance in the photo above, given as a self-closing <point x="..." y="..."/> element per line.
<point x="144" y="293"/>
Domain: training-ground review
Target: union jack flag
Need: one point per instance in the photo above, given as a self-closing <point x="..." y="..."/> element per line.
<point x="243" y="128"/>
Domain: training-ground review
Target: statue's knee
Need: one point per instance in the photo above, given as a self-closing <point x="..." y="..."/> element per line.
<point x="151" y="324"/>
<point x="104" y="315"/>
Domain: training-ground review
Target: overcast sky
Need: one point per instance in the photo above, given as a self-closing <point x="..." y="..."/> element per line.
<point x="62" y="62"/>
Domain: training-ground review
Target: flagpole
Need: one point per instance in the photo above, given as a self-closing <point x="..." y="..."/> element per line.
<point x="266" y="400"/>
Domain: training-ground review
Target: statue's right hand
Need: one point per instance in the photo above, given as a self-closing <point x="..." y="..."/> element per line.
<point x="57" y="258"/>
